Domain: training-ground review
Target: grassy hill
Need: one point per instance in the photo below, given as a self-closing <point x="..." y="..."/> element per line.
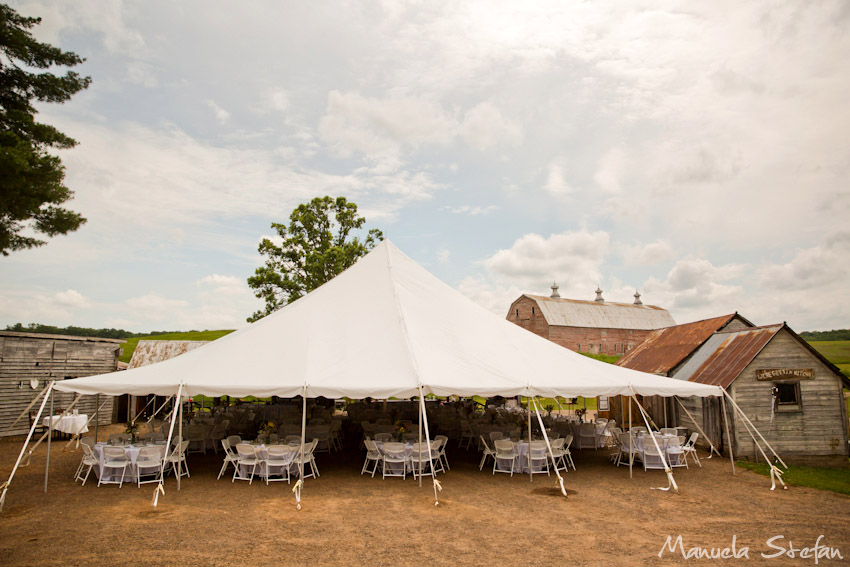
<point x="130" y="346"/>
<point x="837" y="352"/>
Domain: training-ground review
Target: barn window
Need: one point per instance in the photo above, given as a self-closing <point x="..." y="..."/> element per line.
<point x="532" y="310"/>
<point x="517" y="312"/>
<point x="787" y="395"/>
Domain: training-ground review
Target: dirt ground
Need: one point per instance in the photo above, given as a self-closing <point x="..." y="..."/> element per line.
<point x="349" y="519"/>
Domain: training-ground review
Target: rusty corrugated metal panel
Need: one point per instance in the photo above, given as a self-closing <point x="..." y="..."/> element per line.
<point x="598" y="315"/>
<point x="150" y="352"/>
<point x="665" y="348"/>
<point x="735" y="351"/>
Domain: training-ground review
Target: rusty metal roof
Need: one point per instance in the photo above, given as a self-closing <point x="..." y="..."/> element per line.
<point x="726" y="354"/>
<point x="666" y="348"/>
<point x="150" y="352"/>
<point x="601" y="315"/>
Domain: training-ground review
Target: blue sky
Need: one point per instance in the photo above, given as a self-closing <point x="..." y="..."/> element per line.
<point x="697" y="152"/>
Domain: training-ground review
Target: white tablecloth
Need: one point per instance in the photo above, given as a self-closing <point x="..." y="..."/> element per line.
<point x="521" y="464"/>
<point x="132" y="452"/>
<point x="71" y="424"/>
<point x="262" y="452"/>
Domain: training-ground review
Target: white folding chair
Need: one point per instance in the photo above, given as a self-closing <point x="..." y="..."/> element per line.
<point x="148" y="463"/>
<point x="230" y="457"/>
<point x="278" y="461"/>
<point x="177" y="459"/>
<point x="89" y="460"/>
<point x="690" y="448"/>
<point x="394" y="462"/>
<point x="246" y="457"/>
<point x="651" y="456"/>
<point x="488" y="452"/>
<point x="373" y="455"/>
<point x="538" y="456"/>
<point x="114" y="458"/>
<point x="444" y="441"/>
<point x="505" y="453"/>
<point x="676" y="453"/>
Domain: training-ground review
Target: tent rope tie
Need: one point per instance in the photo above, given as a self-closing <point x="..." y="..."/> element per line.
<point x="438" y="484"/>
<point x="160" y="489"/>
<point x="776" y="474"/>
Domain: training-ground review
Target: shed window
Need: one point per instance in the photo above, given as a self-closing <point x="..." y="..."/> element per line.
<point x="787" y="395"/>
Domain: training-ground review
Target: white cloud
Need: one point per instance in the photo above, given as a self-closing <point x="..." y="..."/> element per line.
<point x="556" y="180"/>
<point x="650" y="254"/>
<point x="224" y="285"/>
<point x="220" y="114"/>
<point x="353" y="122"/>
<point x="473" y="211"/>
<point x="154" y="306"/>
<point x="443" y="256"/>
<point x="484" y="126"/>
<point x="276" y="99"/>
<point x="71" y="299"/>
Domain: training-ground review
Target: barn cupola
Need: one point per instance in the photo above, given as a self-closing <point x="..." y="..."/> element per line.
<point x="555" y="293"/>
<point x="599" y="297"/>
<point x="637" y="298"/>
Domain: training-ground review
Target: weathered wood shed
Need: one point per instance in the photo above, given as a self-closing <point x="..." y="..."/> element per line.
<point x="28" y="361"/>
<point x="792" y="394"/>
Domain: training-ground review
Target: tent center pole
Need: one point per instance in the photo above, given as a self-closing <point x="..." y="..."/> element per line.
<point x="530" y="472"/>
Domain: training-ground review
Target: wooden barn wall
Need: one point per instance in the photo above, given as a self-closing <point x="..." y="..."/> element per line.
<point x="526" y="313"/>
<point x="818" y="430"/>
<point x="24" y="358"/>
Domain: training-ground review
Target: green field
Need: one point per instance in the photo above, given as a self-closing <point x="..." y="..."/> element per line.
<point x="823" y="478"/>
<point x="837" y="352"/>
<point x="130" y="346"/>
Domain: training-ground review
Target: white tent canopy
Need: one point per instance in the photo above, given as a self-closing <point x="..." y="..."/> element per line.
<point x="382" y="329"/>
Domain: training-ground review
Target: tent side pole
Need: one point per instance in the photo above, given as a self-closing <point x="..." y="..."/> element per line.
<point x="747" y="419"/>
<point x="300" y="483"/>
<point x="159" y="487"/>
<point x="5" y="485"/>
<point x="180" y="435"/>
<point x="664" y="401"/>
<point x="436" y="483"/>
<point x="631" y="455"/>
<point x="667" y="469"/>
<point x="96" y="421"/>
<point x="707" y="438"/>
<point x="728" y="437"/>
<point x="530" y="472"/>
<point x="420" y="442"/>
<point x="49" y="437"/>
<point x="549" y="447"/>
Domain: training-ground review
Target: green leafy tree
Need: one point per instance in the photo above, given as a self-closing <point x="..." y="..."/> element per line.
<point x="317" y="245"/>
<point x="31" y="179"/>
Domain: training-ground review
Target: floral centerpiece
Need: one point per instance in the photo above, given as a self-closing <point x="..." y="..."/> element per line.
<point x="266" y="429"/>
<point x="401" y="429"/>
<point x="131" y="429"/>
<point x="580" y="414"/>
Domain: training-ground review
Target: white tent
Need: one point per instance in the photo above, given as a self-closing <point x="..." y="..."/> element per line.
<point x="383" y="328"/>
